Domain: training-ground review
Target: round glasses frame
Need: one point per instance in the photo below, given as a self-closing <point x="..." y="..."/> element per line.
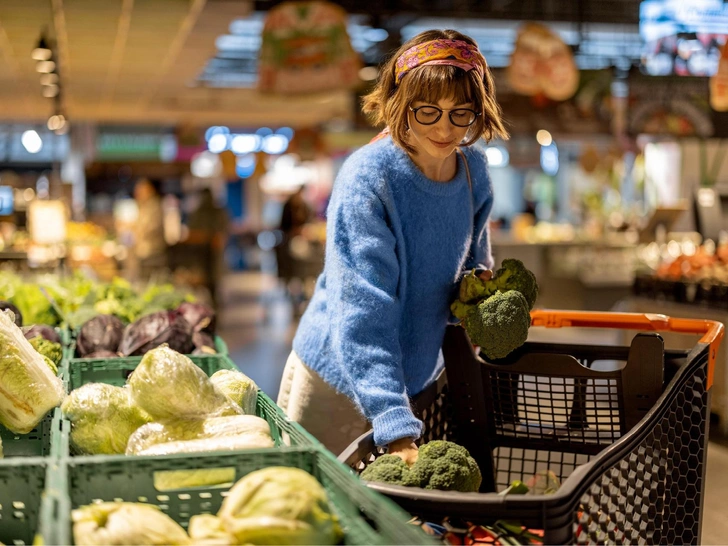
<point x="440" y="111"/>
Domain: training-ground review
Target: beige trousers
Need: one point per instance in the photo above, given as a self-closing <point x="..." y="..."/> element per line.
<point x="311" y="402"/>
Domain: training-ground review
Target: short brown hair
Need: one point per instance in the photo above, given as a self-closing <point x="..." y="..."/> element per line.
<point x="388" y="104"/>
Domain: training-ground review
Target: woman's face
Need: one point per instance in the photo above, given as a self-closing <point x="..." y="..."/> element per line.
<point x="439" y="140"/>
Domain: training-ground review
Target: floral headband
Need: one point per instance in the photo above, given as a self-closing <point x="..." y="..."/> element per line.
<point x="448" y="52"/>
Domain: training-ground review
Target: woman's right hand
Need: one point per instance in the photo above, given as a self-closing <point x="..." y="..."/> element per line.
<point x="405" y="449"/>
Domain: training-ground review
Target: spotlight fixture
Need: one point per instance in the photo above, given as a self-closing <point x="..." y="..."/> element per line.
<point x="49" y="79"/>
<point x="56" y="122"/>
<point x="45" y="67"/>
<point x="50" y="91"/>
<point x="42" y="52"/>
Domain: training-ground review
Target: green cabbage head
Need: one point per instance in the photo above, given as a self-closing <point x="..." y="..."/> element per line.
<point x="279" y="505"/>
<point x="28" y="387"/>
<point x="168" y="385"/>
<point x="239" y="387"/>
<point x="125" y="523"/>
<point x="102" y="419"/>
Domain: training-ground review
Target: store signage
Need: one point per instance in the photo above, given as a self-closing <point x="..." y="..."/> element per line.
<point x="136" y="146"/>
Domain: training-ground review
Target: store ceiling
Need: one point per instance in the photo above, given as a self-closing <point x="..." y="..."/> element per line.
<point x="136" y="61"/>
<point x="157" y="62"/>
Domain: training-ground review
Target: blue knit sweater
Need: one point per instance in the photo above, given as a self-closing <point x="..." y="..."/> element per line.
<point x="397" y="244"/>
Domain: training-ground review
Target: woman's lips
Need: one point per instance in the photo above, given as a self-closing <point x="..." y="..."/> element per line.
<point x="441" y="144"/>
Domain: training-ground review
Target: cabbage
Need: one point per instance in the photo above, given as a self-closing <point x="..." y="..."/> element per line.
<point x="17" y="315"/>
<point x="203" y="340"/>
<point x="102" y="419"/>
<point x="50" y="349"/>
<point x="111" y="523"/>
<point x="177" y="430"/>
<point x="168" y="385"/>
<point x="201" y="317"/>
<point x="250" y="440"/>
<point x="207" y="529"/>
<point x="28" y="388"/>
<point x="153" y="330"/>
<point x="101" y="333"/>
<point x="42" y="330"/>
<point x="279" y="505"/>
<point x="239" y="387"/>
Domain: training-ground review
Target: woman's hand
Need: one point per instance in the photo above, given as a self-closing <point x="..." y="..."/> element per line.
<point x="405" y="449"/>
<point x="484" y="274"/>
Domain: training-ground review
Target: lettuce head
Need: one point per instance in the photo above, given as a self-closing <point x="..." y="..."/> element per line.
<point x="102" y="419"/>
<point x="168" y="385"/>
<point x="238" y="387"/>
<point x="28" y="387"/>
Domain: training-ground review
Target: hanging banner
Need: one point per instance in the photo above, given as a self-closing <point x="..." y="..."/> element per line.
<point x="542" y="63"/>
<point x="305" y="48"/>
<point x="719" y="83"/>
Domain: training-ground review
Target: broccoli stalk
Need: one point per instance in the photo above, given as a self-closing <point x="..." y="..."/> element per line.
<point x="440" y="465"/>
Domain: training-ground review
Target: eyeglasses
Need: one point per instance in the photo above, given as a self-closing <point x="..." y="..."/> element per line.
<point x="459" y="117"/>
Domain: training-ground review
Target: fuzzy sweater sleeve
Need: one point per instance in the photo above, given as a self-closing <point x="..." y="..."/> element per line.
<point x="362" y="279"/>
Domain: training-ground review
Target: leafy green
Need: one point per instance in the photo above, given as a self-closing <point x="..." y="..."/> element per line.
<point x="168" y="385"/>
<point x="49" y="349"/>
<point x="238" y="387"/>
<point x="102" y="418"/>
<point x="28" y="387"/>
<point x="279" y="505"/>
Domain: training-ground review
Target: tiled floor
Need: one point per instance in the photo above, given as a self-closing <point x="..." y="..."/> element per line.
<point x="256" y="322"/>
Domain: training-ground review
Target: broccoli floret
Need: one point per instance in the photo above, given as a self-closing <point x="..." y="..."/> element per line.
<point x="499" y="324"/>
<point x="49" y="349"/>
<point x="472" y="288"/>
<point x="444" y="466"/>
<point x="387" y="469"/>
<point x="513" y="275"/>
<point x="461" y="310"/>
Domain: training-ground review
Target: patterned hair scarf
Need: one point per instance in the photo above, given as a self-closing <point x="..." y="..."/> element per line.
<point x="448" y="52"/>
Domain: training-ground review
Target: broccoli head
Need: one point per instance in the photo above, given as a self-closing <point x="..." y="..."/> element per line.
<point x="386" y="469"/>
<point x="47" y="348"/>
<point x="513" y="275"/>
<point x="444" y="466"/>
<point x="499" y="324"/>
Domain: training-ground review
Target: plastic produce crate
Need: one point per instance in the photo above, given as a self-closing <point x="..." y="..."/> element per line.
<point x="36" y="443"/>
<point x="628" y="445"/>
<point x="365" y="517"/>
<point x="116" y="370"/>
<point x="22" y="482"/>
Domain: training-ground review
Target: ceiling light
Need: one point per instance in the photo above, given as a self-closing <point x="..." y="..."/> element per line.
<point x="49" y="91"/>
<point x="31" y="141"/>
<point x="41" y="52"/>
<point x="243" y="144"/>
<point x="369" y="73"/>
<point x="44" y="67"/>
<point x="275" y="144"/>
<point x="49" y="79"/>
<point x="56" y="122"/>
<point x="217" y="143"/>
<point x="544" y="138"/>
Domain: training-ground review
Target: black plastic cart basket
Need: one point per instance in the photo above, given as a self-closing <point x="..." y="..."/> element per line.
<point x="628" y="445"/>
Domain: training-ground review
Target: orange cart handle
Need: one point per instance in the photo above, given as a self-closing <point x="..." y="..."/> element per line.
<point x="713" y="331"/>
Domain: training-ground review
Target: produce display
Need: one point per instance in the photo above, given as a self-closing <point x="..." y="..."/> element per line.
<point x="275" y="505"/>
<point x="168" y="405"/>
<point x="28" y="387"/>
<point x="440" y="465"/>
<point x="495" y="313"/>
<point x="52" y="300"/>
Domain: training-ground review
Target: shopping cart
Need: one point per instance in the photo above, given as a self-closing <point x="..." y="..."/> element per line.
<point x="628" y="444"/>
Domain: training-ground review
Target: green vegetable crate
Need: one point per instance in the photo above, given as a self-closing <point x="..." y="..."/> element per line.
<point x="22" y="483"/>
<point x="115" y="371"/>
<point x="365" y="517"/>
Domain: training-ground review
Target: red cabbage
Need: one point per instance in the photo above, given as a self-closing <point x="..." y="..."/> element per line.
<point x="201" y="317"/>
<point x="42" y="330"/>
<point x="101" y="333"/>
<point x="156" y="329"/>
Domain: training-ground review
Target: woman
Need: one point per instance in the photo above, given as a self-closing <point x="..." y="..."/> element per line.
<point x="408" y="214"/>
<point x="150" y="248"/>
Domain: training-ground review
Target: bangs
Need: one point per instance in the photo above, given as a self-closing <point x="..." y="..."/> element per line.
<point x="439" y="82"/>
